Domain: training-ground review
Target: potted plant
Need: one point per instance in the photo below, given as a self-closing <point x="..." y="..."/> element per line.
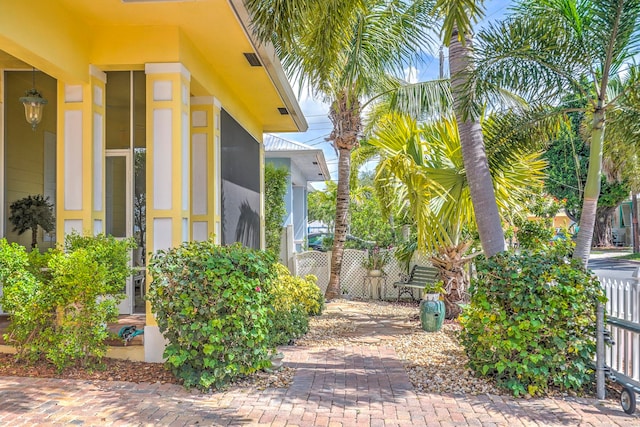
<point x="432" y="291"/>
<point x="30" y="212"/>
<point x="375" y="261"/>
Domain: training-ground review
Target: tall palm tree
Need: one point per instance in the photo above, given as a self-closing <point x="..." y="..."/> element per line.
<point x="422" y="168"/>
<point x="347" y="51"/>
<point x="459" y="17"/>
<point x="546" y="48"/>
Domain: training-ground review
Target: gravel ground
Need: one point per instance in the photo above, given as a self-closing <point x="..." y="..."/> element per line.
<point x="435" y="361"/>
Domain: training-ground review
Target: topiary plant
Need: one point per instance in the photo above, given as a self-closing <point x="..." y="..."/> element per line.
<point x="30" y="212"/>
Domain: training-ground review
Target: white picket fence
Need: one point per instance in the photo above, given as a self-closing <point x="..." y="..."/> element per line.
<point x="353" y="277"/>
<point x="623" y="324"/>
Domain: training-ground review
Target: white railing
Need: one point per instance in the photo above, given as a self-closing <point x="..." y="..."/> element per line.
<point x="353" y="280"/>
<point x="623" y="324"/>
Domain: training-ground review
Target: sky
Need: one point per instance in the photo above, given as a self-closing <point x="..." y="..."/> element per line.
<point x="316" y="112"/>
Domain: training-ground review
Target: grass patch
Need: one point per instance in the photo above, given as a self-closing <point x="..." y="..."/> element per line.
<point x="632" y="257"/>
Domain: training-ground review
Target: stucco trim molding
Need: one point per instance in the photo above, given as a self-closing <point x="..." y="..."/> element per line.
<point x="167" y="67"/>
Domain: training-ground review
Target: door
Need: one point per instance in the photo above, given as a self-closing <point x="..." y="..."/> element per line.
<point x="118" y="208"/>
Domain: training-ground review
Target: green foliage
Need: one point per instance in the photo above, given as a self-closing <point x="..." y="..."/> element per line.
<point x="60" y="314"/>
<point x="531" y="321"/>
<point x="30" y="212"/>
<point x="275" y="188"/>
<point x="568" y="163"/>
<point x="321" y="205"/>
<point x="534" y="234"/>
<point x="294" y="300"/>
<point x="213" y="305"/>
<point x="404" y="252"/>
<point x="435" y="288"/>
<point x="376" y="259"/>
<point x="366" y="220"/>
<point x="106" y="250"/>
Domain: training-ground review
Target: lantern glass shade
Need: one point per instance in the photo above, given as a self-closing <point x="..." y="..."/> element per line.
<point x="33" y="106"/>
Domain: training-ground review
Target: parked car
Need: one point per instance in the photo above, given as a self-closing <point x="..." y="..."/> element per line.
<point x="314" y="240"/>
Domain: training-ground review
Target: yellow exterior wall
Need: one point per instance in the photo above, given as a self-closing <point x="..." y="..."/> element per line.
<point x="47" y="36"/>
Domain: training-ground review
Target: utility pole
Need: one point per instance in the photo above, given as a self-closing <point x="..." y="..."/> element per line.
<point x="441" y="63"/>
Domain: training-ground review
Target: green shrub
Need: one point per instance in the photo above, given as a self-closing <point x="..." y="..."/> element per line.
<point x="294" y="300"/>
<point x="534" y="234"/>
<point x="213" y="305"/>
<point x="61" y="313"/>
<point x="531" y="321"/>
<point x="275" y="208"/>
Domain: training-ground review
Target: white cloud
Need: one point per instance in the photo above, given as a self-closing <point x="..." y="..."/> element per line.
<point x="411" y="75"/>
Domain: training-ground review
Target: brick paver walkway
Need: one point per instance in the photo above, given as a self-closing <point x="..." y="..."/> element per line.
<point x="346" y="386"/>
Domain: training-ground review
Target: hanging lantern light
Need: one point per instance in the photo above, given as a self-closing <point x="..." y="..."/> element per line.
<point x="33" y="104"/>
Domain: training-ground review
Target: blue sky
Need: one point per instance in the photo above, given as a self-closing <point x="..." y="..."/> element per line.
<point x="316" y="111"/>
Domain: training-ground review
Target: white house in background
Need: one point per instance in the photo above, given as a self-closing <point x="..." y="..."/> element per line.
<point x="306" y="165"/>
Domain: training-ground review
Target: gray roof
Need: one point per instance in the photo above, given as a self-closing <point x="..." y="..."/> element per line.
<point x="310" y="161"/>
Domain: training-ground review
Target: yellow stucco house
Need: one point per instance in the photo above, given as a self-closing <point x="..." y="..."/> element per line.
<point x="152" y="128"/>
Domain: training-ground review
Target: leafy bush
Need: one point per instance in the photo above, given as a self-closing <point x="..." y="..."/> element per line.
<point x="531" y="321"/>
<point x="61" y="313"/>
<point x="213" y="305"/>
<point x="534" y="234"/>
<point x="294" y="300"/>
<point x="275" y="188"/>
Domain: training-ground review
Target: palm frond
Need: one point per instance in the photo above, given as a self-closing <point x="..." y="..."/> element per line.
<point x="459" y="15"/>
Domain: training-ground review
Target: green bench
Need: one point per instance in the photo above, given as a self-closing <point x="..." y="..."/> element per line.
<point x="418" y="278"/>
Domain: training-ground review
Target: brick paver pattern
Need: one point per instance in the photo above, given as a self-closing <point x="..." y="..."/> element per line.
<point x="355" y="385"/>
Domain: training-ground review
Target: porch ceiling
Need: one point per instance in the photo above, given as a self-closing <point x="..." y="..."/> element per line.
<point x="213" y="30"/>
<point x="9" y="61"/>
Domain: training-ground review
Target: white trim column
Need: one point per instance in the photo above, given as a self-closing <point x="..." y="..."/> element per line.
<point x="168" y="172"/>
<point x="80" y="156"/>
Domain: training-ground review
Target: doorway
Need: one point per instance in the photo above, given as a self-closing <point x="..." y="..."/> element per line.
<point x="119" y="208"/>
<point x="125" y="172"/>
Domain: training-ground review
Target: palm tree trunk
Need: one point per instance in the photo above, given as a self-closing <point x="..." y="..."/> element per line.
<point x="450" y="262"/>
<point x="34" y="237"/>
<point x="591" y="190"/>
<point x="473" y="152"/>
<point x="340" y="227"/>
<point x="346" y="120"/>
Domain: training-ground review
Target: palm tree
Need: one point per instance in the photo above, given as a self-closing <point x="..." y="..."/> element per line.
<point x="546" y="49"/>
<point x="422" y="169"/>
<point x="459" y="16"/>
<point x="347" y="51"/>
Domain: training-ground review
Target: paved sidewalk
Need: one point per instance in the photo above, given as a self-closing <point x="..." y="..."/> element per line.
<point x="347" y="386"/>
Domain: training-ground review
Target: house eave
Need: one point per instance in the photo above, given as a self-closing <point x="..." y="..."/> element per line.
<point x="272" y="65"/>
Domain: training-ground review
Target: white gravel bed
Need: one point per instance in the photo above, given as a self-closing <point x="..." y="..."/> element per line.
<point x="435" y="361"/>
